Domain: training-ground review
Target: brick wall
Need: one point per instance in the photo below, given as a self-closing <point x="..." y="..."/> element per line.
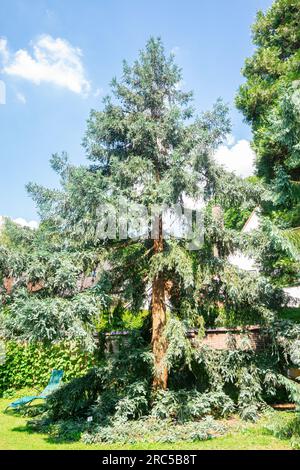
<point x="220" y="338"/>
<point x="227" y="338"/>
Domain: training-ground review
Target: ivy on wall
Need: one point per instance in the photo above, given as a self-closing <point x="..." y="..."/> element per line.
<point x="30" y="365"/>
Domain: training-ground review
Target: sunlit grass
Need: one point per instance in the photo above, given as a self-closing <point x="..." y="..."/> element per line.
<point x="15" y="435"/>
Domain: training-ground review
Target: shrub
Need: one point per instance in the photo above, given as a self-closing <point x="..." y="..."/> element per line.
<point x="120" y="386"/>
<point x="209" y="383"/>
<point x="154" y="430"/>
<point x="186" y="405"/>
<point x="75" y="398"/>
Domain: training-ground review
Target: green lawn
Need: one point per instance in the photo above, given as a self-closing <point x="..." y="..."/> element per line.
<point x="14" y="435"/>
<point x="290" y="314"/>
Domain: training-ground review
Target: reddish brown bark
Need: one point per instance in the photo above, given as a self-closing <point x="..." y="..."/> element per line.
<point x="35" y="286"/>
<point x="8" y="283"/>
<point x="218" y="216"/>
<point x="159" y="343"/>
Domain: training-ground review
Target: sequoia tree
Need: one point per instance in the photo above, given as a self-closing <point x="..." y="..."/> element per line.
<point x="146" y="148"/>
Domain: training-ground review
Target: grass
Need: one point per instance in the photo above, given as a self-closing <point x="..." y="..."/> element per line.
<point x="15" y="435"/>
<point x="291" y="313"/>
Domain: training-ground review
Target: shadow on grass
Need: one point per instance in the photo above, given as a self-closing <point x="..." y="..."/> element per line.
<point x="51" y="438"/>
<point x="59" y="433"/>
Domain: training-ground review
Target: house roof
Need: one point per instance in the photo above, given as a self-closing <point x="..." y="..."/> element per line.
<point x="253" y="221"/>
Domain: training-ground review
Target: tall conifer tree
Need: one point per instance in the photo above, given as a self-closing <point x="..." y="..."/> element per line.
<point x="145" y="148"/>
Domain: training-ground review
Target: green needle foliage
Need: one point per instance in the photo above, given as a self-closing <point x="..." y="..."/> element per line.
<point x="146" y="146"/>
<point x="44" y="299"/>
<point x="270" y="102"/>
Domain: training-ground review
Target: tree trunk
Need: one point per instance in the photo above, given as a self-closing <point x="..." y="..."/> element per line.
<point x="158" y="307"/>
<point x="218" y="216"/>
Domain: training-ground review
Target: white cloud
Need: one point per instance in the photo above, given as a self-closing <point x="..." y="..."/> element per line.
<point x="230" y="140"/>
<point x="21" y="98"/>
<point x="53" y="61"/>
<point x="33" y="224"/>
<point x="238" y="158"/>
<point x="4" y="54"/>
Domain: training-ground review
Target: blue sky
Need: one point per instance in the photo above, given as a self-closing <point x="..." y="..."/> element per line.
<point x="51" y="85"/>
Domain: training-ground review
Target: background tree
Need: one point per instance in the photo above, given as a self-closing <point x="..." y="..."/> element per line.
<point x="270" y="102"/>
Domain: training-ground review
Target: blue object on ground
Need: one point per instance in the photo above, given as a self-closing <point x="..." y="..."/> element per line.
<point x="54" y="383"/>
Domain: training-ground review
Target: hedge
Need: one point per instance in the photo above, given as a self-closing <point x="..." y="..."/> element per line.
<point x="30" y="365"/>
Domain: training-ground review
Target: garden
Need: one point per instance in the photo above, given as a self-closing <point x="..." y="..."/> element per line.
<point x="122" y="330"/>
